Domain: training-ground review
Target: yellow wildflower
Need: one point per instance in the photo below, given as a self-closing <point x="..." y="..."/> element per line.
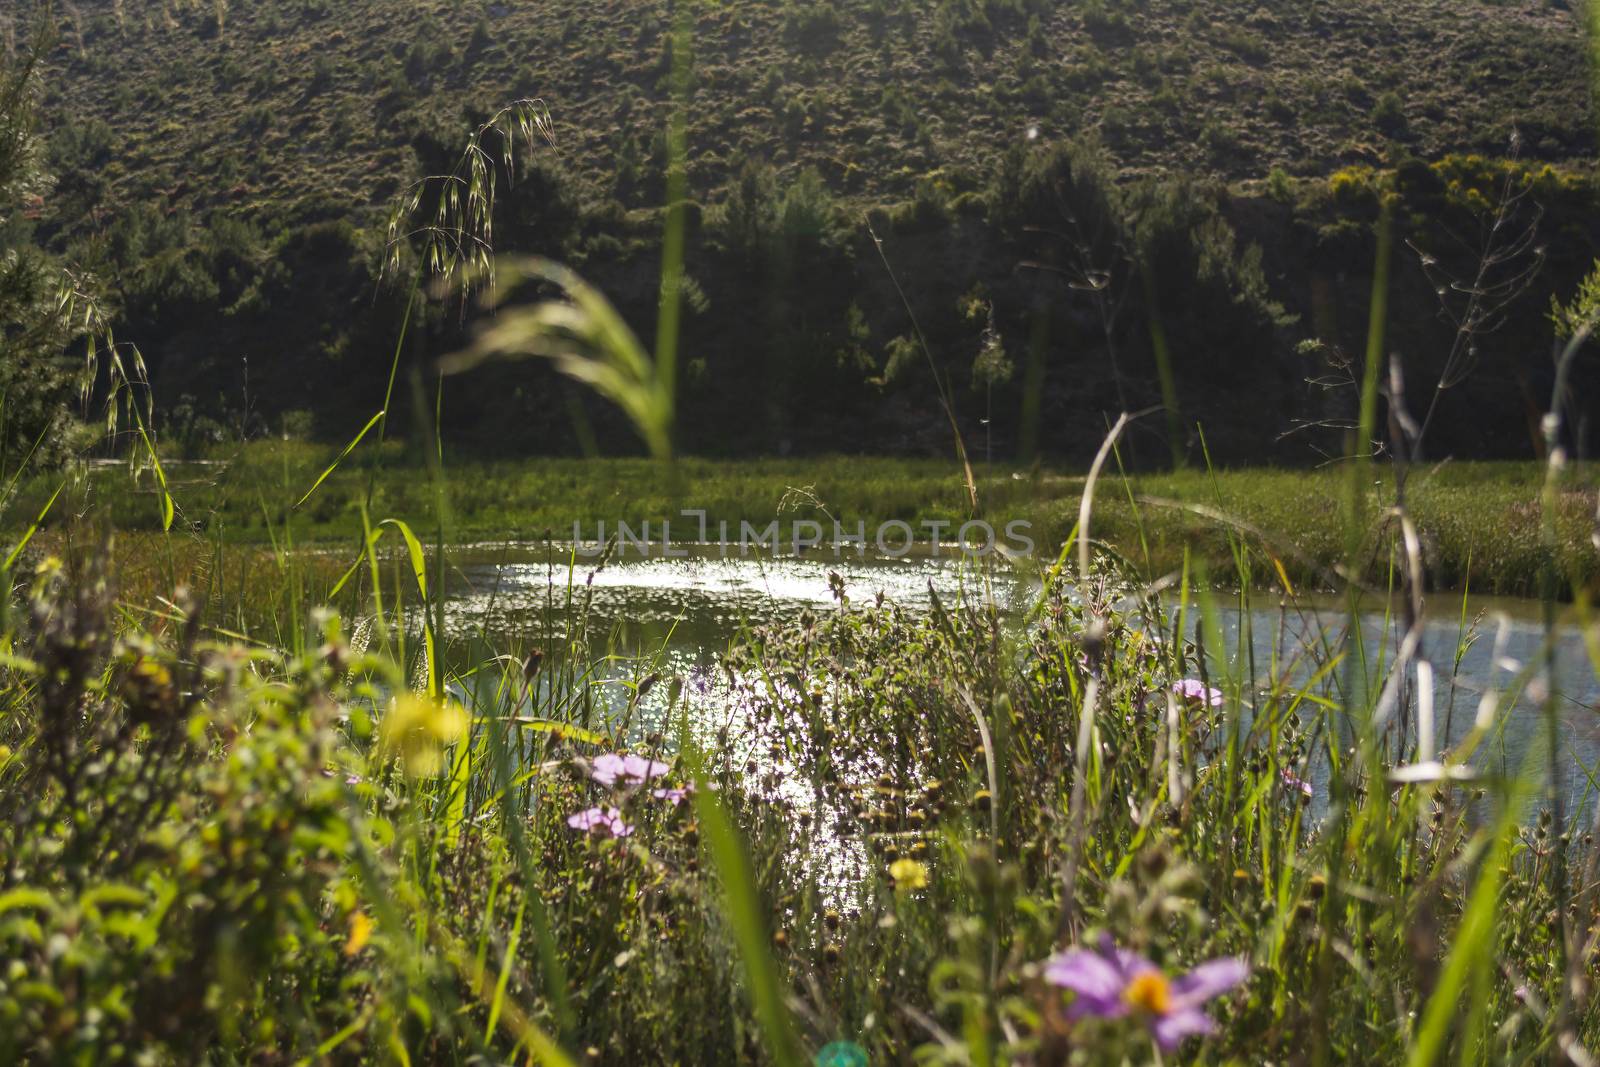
<point x="417" y="728"/>
<point x="908" y="875"/>
<point x="360" y="933"/>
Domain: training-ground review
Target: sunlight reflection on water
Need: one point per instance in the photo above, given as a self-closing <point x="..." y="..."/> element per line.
<point x="676" y="616"/>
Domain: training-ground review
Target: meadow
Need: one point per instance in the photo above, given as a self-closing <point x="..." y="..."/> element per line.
<point x="242" y="827"/>
<point x="1479" y="521"/>
<point x="867" y="836"/>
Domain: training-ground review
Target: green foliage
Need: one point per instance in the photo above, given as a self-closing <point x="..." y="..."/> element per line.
<point x="1388" y="114"/>
<point x="36" y="298"/>
<point x="1104" y="20"/>
<point x="747" y="219"/>
<point x="283" y="47"/>
<point x="762" y="226"/>
<point x="1181" y="234"/>
<point x="78" y="156"/>
<point x="1582" y="312"/>
<point x="1245" y="43"/>
<point x="1279" y="185"/>
<point x="992" y="365"/>
<point x="901" y="356"/>
<point x="806" y="216"/>
<point x="289" y="854"/>
<point x="296" y="116"/>
<point x="302" y="849"/>
<point x="53" y="328"/>
<point x="152" y="864"/>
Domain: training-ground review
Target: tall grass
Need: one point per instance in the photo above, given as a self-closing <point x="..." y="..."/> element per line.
<point x="849" y="741"/>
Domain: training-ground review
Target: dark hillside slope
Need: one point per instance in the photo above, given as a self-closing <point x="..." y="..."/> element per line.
<point x="1213" y="167"/>
<point x="275" y="101"/>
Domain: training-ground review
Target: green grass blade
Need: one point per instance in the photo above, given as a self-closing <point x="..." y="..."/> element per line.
<point x="500" y="984"/>
<point x="419" y="569"/>
<point x="167" y="509"/>
<point x="1471" y="954"/>
<point x="742" y="903"/>
<point x="32" y="529"/>
<point x="349" y="448"/>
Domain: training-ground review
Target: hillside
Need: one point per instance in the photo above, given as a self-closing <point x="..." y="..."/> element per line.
<point x="272" y="102"/>
<point x="1075" y="195"/>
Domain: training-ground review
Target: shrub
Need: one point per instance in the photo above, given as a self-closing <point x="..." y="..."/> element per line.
<point x="814" y="25"/>
<point x="1249" y="46"/>
<point x="1103" y="21"/>
<point x="1354" y="185"/>
<point x="1389" y="114"/>
<point x="1279" y="185"/>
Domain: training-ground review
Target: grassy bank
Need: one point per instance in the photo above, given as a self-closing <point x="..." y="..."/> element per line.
<point x="912" y="838"/>
<point x="1479" y="522"/>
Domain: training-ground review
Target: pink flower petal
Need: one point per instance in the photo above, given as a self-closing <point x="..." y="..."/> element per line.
<point x="1196" y="690"/>
<point x="639" y="769"/>
<point x="1169" y="1030"/>
<point x="1098" y="978"/>
<point x="675" y="795"/>
<point x="1210" y="979"/>
<point x="607" y="769"/>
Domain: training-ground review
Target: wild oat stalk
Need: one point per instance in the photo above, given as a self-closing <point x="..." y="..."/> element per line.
<point x="586" y="339"/>
<point x="447" y="220"/>
<point x="580" y="331"/>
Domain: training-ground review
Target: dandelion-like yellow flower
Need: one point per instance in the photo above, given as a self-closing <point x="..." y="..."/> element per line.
<point x="417" y="728"/>
<point x="360" y="933"/>
<point x="908" y="875"/>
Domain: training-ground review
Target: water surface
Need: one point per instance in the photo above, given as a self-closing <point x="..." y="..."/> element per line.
<point x="676" y="615"/>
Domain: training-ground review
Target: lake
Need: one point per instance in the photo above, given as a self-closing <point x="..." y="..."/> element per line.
<point x="676" y="615"/>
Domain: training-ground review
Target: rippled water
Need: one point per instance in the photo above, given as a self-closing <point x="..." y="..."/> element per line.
<point x="679" y="613"/>
<point x="700" y="602"/>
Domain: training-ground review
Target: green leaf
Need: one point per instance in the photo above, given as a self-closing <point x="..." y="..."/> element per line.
<point x="564" y="730"/>
<point x="25" y="897"/>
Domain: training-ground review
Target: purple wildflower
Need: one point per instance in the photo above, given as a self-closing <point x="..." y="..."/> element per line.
<point x="602" y="822"/>
<point x="1112" y="983"/>
<point x="1196" y="690"/>
<point x="1294" y="781"/>
<point x="676" y="795"/>
<point x="630" y="770"/>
